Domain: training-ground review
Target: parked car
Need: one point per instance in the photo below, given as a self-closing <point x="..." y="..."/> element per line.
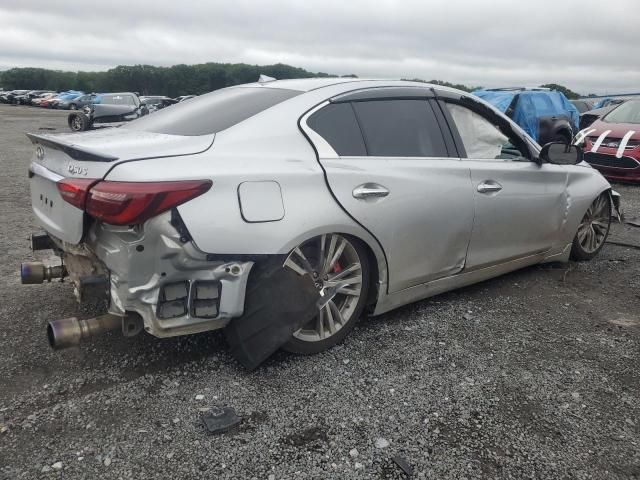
<point x="612" y="142"/>
<point x="63" y="96"/>
<point x="48" y="101"/>
<point x="158" y="102"/>
<point x="582" y="105"/>
<point x="587" y="118"/>
<point x="546" y="115"/>
<point x="26" y="98"/>
<point x="282" y="211"/>
<point x="11" y="96"/>
<point x="78" y="102"/>
<point x="114" y="108"/>
<point x="182" y="98"/>
<point x="43" y="98"/>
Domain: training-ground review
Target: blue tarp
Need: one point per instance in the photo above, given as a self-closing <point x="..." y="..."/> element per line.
<point x="530" y="106"/>
<point x="602" y="103"/>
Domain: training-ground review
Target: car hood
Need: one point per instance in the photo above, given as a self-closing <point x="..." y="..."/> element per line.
<point x="618" y="130"/>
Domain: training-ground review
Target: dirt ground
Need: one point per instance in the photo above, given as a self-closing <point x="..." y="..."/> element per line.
<point x="535" y="374"/>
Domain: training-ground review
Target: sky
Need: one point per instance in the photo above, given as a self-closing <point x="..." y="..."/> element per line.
<point x="588" y="45"/>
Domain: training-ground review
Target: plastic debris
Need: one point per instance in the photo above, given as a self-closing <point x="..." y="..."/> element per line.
<point x="404" y="465"/>
<point x="220" y="420"/>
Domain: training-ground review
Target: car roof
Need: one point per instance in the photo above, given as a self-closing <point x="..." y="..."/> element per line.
<point x="309" y="84"/>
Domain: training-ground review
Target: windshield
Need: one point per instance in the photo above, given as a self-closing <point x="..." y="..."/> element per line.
<point x="628" y="112"/>
<point x="213" y="112"/>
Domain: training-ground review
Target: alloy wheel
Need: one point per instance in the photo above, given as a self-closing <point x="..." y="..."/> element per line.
<point x="77" y="123"/>
<point x="594" y="227"/>
<point x="333" y="263"/>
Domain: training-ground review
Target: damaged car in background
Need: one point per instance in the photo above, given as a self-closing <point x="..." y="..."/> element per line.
<point x="546" y="115"/>
<point x="113" y="109"/>
<point x="612" y="143"/>
<point x="282" y="211"/>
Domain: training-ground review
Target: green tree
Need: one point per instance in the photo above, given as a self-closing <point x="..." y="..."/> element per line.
<point x="570" y="94"/>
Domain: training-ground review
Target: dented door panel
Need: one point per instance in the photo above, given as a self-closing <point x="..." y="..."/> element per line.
<point x="523" y="217"/>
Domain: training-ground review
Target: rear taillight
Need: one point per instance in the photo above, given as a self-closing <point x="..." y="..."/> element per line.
<point x="74" y="190"/>
<point x="128" y="203"/>
<point x="133" y="203"/>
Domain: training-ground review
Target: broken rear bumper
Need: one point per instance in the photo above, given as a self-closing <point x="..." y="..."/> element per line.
<point x="160" y="274"/>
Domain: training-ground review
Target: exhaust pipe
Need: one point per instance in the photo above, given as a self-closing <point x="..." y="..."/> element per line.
<point x="37" y="272"/>
<point x="68" y="332"/>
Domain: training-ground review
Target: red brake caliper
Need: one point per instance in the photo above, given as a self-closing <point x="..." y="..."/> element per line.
<point x="337" y="268"/>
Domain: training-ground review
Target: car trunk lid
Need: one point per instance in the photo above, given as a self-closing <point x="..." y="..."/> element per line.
<point x="90" y="156"/>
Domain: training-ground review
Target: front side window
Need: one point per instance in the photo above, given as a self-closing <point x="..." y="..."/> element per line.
<point x="482" y="139"/>
<point x="400" y="128"/>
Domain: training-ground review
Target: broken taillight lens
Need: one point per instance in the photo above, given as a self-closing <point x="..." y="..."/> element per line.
<point x="74" y="190"/>
<point x="133" y="203"/>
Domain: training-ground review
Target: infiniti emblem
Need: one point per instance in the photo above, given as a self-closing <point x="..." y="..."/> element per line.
<point x="39" y="152"/>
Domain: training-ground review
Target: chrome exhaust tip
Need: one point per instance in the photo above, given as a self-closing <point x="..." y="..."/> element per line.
<point x="69" y="332"/>
<point x="32" y="273"/>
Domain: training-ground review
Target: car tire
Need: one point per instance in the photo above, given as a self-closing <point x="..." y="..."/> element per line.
<point x="339" y="315"/>
<point x="593" y="230"/>
<point x="79" y="122"/>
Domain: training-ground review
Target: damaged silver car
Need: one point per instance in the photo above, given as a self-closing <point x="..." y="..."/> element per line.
<point x="282" y="211"/>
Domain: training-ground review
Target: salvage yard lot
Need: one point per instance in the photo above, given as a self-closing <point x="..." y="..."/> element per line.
<point x="533" y="374"/>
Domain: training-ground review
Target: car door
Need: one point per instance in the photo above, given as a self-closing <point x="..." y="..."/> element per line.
<point x="391" y="168"/>
<point x="520" y="205"/>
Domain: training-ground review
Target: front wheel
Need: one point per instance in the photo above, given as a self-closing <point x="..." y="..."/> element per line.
<point x="593" y="230"/>
<point x="339" y="266"/>
<point x="79" y="122"/>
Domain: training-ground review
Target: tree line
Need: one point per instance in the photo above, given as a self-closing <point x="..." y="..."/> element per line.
<point x="148" y="79"/>
<point x="172" y="81"/>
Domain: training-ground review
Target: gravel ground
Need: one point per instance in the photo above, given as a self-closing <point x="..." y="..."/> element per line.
<point x="531" y="375"/>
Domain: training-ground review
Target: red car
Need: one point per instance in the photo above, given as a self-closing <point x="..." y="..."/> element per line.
<point x="612" y="143"/>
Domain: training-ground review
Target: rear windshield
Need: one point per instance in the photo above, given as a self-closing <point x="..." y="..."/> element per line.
<point x="213" y="112"/>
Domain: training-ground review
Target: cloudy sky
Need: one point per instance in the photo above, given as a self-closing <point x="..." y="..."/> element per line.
<point x="587" y="45"/>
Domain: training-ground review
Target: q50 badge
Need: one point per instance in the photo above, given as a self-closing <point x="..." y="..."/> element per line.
<point x="77" y="169"/>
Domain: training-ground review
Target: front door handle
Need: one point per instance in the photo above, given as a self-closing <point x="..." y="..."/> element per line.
<point x="489" y="186"/>
<point x="369" y="190"/>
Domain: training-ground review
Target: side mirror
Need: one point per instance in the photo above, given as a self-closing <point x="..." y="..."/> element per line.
<point x="560" y="153"/>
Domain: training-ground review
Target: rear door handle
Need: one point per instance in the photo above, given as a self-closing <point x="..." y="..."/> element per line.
<point x="489" y="186"/>
<point x="369" y="190"/>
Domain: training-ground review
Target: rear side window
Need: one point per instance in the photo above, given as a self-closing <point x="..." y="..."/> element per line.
<point x="400" y="128"/>
<point x="337" y="124"/>
<point x="213" y="112"/>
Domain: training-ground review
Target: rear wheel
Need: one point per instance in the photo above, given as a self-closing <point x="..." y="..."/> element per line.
<point x="339" y="267"/>
<point x="593" y="230"/>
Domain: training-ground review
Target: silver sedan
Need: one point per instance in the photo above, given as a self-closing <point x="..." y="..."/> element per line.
<point x="224" y="211"/>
